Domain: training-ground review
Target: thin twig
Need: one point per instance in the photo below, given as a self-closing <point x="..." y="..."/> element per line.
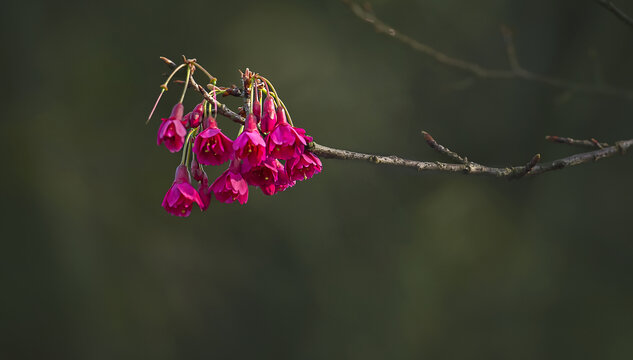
<point x="592" y="143"/>
<point x="614" y="9"/>
<point x="515" y="72"/>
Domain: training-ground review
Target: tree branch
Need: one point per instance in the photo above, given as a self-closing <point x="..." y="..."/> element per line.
<point x="614" y="9"/>
<point x="465" y="166"/>
<point x="515" y="72"/>
<point x="510" y="172"/>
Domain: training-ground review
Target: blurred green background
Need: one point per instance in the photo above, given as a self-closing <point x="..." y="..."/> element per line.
<point x="362" y="261"/>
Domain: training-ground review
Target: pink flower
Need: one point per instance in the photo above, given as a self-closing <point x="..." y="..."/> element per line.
<point x="231" y="186"/>
<point x="203" y="184"/>
<point x="282" y="183"/>
<point x="269" y="118"/>
<point x="171" y="131"/>
<point x="180" y="197"/>
<point x="263" y="175"/>
<point x="250" y="145"/>
<point x="211" y="146"/>
<point x="303" y="167"/>
<point x="285" y="142"/>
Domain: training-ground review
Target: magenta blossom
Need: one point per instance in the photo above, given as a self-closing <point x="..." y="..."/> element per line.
<point x="211" y="146"/>
<point x="303" y="167"/>
<point x="284" y="142"/>
<point x="180" y="197"/>
<point x="203" y="184"/>
<point x="263" y="175"/>
<point x="250" y="145"/>
<point x="171" y="131"/>
<point x="269" y="118"/>
<point x="231" y="186"/>
<point x="283" y="181"/>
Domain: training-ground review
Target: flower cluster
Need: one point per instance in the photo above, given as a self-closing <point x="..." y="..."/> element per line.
<point x="268" y="152"/>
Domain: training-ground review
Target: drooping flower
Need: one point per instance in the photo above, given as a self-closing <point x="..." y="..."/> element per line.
<point x="282" y="183"/>
<point x="231" y="186"/>
<point x="171" y="131"/>
<point x="180" y="197"/>
<point x="283" y="180"/>
<point x="250" y="145"/>
<point x="211" y="146"/>
<point x="269" y="117"/>
<point x="203" y="184"/>
<point x="263" y="175"/>
<point x="303" y="167"/>
<point x="284" y="142"/>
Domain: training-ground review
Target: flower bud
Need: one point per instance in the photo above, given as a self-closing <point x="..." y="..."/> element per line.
<point x="196" y="116"/>
<point x="257" y="109"/>
<point x="269" y="117"/>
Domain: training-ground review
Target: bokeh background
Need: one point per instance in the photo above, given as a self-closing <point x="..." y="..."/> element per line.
<point x="362" y="261"/>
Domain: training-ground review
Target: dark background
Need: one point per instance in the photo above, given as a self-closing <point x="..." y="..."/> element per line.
<point x="362" y="261"/>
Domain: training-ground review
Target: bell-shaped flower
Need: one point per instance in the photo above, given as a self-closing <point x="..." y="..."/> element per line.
<point x="231" y="186"/>
<point x="211" y="146"/>
<point x="249" y="145"/>
<point x="263" y="175"/>
<point x="282" y="183"/>
<point x="180" y="197"/>
<point x="284" y="142"/>
<point x="269" y="117"/>
<point x="171" y="132"/>
<point x="303" y="167"/>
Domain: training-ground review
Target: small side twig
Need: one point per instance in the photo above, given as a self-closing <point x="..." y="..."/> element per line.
<point x="592" y="143"/>
<point x="528" y="167"/>
<point x="615" y="10"/>
<point x="511" y="52"/>
<point x="443" y="149"/>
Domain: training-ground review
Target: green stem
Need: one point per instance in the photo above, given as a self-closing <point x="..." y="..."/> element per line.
<point x="274" y="90"/>
<point x="279" y="101"/>
<point x="186" y="148"/>
<point x="250" y="105"/>
<point x="188" y="160"/>
<point x="184" y="91"/>
<point x="211" y="78"/>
